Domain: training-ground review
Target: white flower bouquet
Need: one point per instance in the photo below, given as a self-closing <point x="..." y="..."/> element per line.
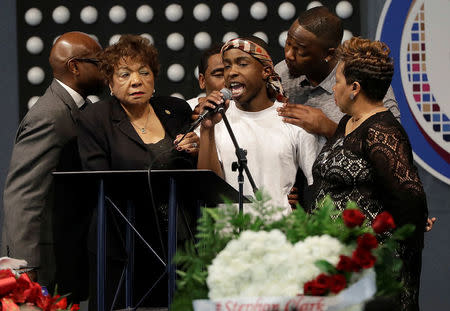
<point x="260" y="263"/>
<point x="320" y="261"/>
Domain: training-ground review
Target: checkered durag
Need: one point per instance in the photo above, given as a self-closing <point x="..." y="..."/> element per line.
<point x="261" y="55"/>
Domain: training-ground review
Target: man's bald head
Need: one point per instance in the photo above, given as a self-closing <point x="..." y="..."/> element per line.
<point x="73" y="60"/>
<point x="68" y="46"/>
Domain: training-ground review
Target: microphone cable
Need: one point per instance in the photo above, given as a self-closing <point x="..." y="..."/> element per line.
<point x="149" y="180"/>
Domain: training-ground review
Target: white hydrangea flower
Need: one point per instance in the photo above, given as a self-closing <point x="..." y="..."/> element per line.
<point x="266" y="264"/>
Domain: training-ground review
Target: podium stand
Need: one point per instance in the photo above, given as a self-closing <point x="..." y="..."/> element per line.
<point x="195" y="185"/>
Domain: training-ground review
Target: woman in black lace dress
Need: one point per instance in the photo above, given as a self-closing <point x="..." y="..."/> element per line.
<point x="369" y="158"/>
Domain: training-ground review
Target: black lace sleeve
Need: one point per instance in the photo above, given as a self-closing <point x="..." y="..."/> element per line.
<point x="396" y="177"/>
<point x="401" y="193"/>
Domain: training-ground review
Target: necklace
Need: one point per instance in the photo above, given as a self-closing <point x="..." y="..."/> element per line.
<point x="367" y="114"/>
<point x="143" y="129"/>
<point x="354" y="120"/>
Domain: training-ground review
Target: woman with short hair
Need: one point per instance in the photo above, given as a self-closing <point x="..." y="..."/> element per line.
<point x="134" y="130"/>
<point x="369" y="159"/>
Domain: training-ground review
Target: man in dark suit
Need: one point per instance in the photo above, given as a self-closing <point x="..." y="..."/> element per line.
<point x="36" y="209"/>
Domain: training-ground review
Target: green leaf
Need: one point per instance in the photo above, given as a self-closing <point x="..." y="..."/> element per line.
<point x="181" y="273"/>
<point x="325" y="267"/>
<point x="259" y="195"/>
<point x="396" y="265"/>
<point x="403" y="232"/>
<point x="351" y="205"/>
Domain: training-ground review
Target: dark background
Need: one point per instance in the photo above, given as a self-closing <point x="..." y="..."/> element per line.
<point x="159" y="28"/>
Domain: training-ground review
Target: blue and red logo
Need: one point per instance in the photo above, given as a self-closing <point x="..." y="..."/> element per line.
<point x="417" y="33"/>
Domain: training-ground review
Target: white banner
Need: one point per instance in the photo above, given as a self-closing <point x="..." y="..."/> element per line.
<point x="351" y="298"/>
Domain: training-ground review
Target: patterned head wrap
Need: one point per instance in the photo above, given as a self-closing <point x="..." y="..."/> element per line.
<point x="261" y="55"/>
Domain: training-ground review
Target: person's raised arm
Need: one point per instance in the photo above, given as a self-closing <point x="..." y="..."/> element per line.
<point x="207" y="156"/>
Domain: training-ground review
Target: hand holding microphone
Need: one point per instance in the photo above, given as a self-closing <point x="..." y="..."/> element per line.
<point x="211" y="105"/>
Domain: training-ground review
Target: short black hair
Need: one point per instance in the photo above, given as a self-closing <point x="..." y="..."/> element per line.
<point x="213" y="50"/>
<point x="324" y="24"/>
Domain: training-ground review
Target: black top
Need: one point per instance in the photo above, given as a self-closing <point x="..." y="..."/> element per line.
<point x="373" y="166"/>
<point x="108" y="141"/>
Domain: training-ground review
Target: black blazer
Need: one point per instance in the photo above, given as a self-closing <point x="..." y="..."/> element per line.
<point x="108" y="141"/>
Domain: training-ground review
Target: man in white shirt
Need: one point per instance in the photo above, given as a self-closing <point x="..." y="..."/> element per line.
<point x="275" y="150"/>
<point x="36" y="209"/>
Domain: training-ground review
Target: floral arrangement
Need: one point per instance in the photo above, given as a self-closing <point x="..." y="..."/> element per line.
<point x="261" y="263"/>
<point x="319" y="254"/>
<point x="19" y="290"/>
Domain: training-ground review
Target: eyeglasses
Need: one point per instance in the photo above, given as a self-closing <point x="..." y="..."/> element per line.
<point x="94" y="61"/>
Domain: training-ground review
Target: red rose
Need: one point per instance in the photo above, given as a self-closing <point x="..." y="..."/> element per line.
<point x="4" y="273"/>
<point x="353" y="217"/>
<point x="20" y="293"/>
<point x="75" y="307"/>
<point x="346" y="264"/>
<point x="317" y="287"/>
<point x="62" y="304"/>
<point x="34" y="293"/>
<point x="363" y="258"/>
<point x="8" y="304"/>
<point x="311" y="288"/>
<point x="323" y="280"/>
<point x="337" y="283"/>
<point x="383" y="222"/>
<point x="308" y="288"/>
<point x="367" y="241"/>
<point x="47" y="303"/>
<point x="44" y="302"/>
<point x="7" y="281"/>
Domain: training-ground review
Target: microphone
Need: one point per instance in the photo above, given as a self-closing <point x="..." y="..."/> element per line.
<point x="210" y="111"/>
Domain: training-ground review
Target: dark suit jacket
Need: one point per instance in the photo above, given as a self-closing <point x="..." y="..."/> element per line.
<point x="108" y="140"/>
<point x="34" y="205"/>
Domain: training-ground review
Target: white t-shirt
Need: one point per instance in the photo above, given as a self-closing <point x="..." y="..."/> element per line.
<point x="274" y="151"/>
<point x="193" y="102"/>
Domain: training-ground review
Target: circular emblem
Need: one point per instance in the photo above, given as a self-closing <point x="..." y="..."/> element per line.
<point x="414" y="31"/>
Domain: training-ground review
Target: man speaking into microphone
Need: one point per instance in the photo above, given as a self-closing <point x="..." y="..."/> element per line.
<point x="274" y="149"/>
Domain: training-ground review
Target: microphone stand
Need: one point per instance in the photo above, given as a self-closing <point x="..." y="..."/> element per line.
<point x="241" y="164"/>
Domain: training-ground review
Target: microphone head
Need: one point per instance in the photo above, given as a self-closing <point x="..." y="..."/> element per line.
<point x="226" y="94"/>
